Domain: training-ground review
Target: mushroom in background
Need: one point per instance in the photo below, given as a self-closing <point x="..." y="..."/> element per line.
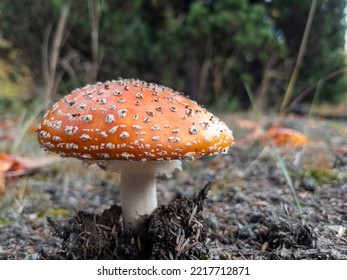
<point x="136" y="128"/>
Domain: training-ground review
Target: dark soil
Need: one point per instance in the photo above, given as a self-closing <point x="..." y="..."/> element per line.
<point x="237" y="206"/>
<point x="173" y="231"/>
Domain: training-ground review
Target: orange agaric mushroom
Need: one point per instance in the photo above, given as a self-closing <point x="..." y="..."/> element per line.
<point x="136" y="128"/>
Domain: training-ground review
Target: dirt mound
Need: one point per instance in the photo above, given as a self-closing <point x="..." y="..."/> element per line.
<point x="173" y="231"/>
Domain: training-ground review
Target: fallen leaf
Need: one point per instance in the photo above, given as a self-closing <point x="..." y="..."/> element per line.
<point x="282" y="136"/>
<point x="9" y="164"/>
<point x="12" y="166"/>
<point x="24" y="166"/>
<point x="6" y="161"/>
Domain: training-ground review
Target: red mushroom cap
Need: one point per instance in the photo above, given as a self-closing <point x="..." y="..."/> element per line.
<point x="131" y="120"/>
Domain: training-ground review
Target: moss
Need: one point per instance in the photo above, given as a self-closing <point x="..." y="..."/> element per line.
<point x="56" y="212"/>
<point x="4" y="221"/>
<point x="322" y="177"/>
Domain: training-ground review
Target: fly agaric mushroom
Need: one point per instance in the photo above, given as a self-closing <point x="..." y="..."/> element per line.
<point x="136" y="128"/>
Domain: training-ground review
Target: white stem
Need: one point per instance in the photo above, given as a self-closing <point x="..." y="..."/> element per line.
<point x="138" y="188"/>
<point x="138" y="195"/>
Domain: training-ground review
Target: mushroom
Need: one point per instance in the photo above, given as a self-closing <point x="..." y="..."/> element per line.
<point x="136" y="128"/>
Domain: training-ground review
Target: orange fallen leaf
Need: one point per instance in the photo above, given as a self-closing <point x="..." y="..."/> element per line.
<point x="9" y="163"/>
<point x="25" y="165"/>
<point x="6" y="161"/>
<point x="282" y="136"/>
<point x="12" y="166"/>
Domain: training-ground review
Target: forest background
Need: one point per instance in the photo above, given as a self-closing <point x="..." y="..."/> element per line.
<point x="223" y="53"/>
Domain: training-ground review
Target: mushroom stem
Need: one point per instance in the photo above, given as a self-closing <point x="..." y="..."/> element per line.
<point x="137" y="187"/>
<point x="138" y="195"/>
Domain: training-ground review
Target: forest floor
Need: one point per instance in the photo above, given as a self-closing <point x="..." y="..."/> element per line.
<point x="257" y="202"/>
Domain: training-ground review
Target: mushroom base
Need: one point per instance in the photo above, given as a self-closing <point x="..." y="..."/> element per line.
<point x="88" y="236"/>
<point x="138" y="185"/>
